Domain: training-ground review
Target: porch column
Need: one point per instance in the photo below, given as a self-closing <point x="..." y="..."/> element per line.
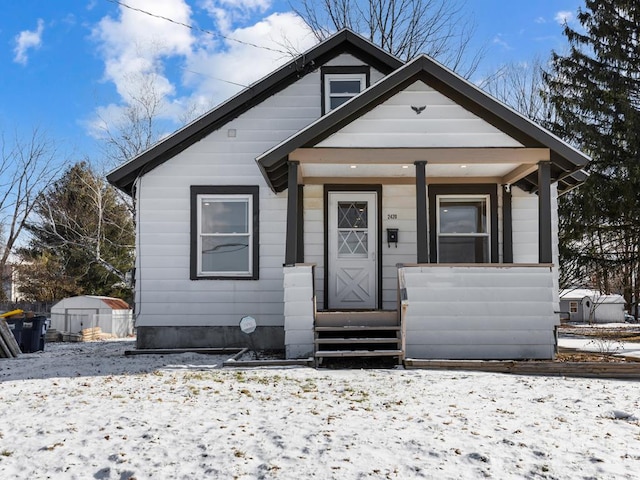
<point x="507" y="226"/>
<point x="421" y="212"/>
<point x="544" y="212"/>
<point x="291" y="246"/>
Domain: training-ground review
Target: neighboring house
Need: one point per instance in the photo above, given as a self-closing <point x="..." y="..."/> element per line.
<point x="74" y="314"/>
<point x="399" y="194"/>
<point x="10" y="285"/>
<point x="583" y="305"/>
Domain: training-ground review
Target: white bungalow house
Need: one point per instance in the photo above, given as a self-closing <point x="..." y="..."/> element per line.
<point x="353" y="205"/>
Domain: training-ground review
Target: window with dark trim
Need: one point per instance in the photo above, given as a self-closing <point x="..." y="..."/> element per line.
<point x="463" y="223"/>
<point x="339" y="84"/>
<point x="224" y="232"/>
<point x="463" y="228"/>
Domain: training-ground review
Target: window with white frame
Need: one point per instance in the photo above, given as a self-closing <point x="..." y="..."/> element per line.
<point x="463" y="229"/>
<point x="340" y="87"/>
<point x="225" y="242"/>
<point x="573" y="307"/>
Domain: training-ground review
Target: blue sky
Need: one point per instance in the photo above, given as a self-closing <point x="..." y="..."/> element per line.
<point x="70" y="66"/>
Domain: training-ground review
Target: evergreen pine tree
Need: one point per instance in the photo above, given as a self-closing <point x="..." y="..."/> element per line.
<point x="595" y="89"/>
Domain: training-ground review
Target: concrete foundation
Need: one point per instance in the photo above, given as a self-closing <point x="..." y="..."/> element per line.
<point x="264" y="338"/>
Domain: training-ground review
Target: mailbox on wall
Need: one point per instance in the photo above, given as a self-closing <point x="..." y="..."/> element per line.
<point x="392" y="236"/>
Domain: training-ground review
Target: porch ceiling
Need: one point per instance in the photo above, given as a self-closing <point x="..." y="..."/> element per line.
<point x="501" y="165"/>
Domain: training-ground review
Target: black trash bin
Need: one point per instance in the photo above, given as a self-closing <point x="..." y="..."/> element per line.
<point x="15" y="325"/>
<point x="28" y="332"/>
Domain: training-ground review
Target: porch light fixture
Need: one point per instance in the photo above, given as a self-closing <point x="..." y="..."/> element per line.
<point x="463" y="166"/>
<point x="354" y="166"/>
<point x="405" y="166"/>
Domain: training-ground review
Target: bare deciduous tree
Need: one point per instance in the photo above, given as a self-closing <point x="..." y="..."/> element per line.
<point x="27" y="167"/>
<point x="521" y="86"/>
<point x="136" y="128"/>
<point x="405" y="28"/>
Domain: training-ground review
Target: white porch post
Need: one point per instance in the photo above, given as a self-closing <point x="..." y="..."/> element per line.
<point x="299" y="310"/>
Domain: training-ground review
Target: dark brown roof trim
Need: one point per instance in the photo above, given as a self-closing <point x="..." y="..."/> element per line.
<point x="563" y="157"/>
<point x="344" y="41"/>
<point x="566" y="181"/>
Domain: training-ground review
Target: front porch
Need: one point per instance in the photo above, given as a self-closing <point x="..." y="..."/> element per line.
<point x="462" y="186"/>
<point x="480" y="311"/>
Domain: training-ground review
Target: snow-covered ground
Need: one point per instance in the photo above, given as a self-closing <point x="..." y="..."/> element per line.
<point x="601" y="344"/>
<point x="85" y="411"/>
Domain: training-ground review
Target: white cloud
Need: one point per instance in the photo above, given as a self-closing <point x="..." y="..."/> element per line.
<point x="563" y="17"/>
<point x="188" y="69"/>
<point x="540" y="20"/>
<point x="501" y="42"/>
<point x="135" y="44"/>
<point x="26" y="40"/>
<point x="281" y="35"/>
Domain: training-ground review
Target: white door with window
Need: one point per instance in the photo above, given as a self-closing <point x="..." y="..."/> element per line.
<point x="352" y="262"/>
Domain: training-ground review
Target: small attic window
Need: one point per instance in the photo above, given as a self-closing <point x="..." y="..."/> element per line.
<point x="339" y="84"/>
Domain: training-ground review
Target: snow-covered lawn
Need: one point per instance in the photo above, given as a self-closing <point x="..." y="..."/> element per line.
<point x="611" y="342"/>
<point x="85" y="411"/>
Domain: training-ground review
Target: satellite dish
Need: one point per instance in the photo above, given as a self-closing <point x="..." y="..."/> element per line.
<point x="248" y="325"/>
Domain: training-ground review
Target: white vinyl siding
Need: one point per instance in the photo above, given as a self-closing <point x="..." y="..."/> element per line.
<point x="164" y="293"/>
<point x="479" y="312"/>
<point x="442" y="124"/>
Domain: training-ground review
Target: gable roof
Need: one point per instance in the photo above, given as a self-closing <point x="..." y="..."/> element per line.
<point x="566" y="161"/>
<point x="345" y="41"/>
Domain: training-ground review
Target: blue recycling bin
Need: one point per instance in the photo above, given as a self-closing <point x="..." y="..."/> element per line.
<point x="28" y="332"/>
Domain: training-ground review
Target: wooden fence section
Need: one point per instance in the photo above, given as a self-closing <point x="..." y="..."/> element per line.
<point x="8" y="346"/>
<point x="628" y="370"/>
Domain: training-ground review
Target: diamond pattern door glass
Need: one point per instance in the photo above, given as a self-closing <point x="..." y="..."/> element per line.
<point x="353" y="229"/>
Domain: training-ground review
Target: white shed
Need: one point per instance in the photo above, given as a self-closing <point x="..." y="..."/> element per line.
<point x="584" y="305"/>
<point x="74" y="314"/>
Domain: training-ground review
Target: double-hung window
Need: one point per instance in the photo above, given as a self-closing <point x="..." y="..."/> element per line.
<point x="463" y="229"/>
<point x="225" y="232"/>
<point x="339" y="84"/>
<point x="340" y="87"/>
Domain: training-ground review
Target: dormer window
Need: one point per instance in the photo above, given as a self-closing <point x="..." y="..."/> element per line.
<point x="341" y="84"/>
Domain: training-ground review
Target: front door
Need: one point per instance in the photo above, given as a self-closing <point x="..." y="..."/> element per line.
<point x="352" y="234"/>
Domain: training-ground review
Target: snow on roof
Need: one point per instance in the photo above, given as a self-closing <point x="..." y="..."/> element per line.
<point x="91" y="301"/>
<point x="593" y="295"/>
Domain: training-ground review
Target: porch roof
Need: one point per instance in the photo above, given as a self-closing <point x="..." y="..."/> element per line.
<point x="518" y="143"/>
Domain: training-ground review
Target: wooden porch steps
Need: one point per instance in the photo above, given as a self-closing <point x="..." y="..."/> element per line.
<point x="357" y="335"/>
<point x="359" y="353"/>
<point x="359" y="328"/>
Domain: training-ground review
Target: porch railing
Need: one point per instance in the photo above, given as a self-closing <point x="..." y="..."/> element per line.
<point x="477" y="311"/>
